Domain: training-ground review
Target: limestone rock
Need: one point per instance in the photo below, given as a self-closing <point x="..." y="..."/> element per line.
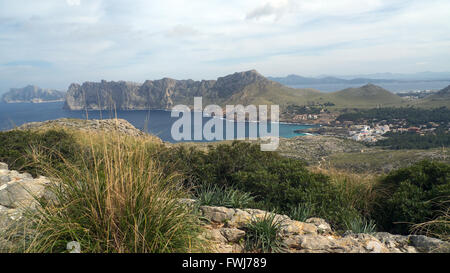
<point x="427" y="244"/>
<point x="240" y="219"/>
<point x="292" y="227"/>
<point x="217" y="214"/>
<point x="232" y="235"/>
<point x="322" y="226"/>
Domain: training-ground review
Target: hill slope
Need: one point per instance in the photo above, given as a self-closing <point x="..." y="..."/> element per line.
<point x="245" y="88"/>
<point x="367" y="95"/>
<point x="248" y="87"/>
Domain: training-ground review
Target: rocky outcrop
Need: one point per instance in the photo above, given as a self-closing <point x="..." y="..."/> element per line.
<point x="19" y="192"/>
<point x="225" y="228"/>
<point x="103" y="125"/>
<point x="158" y="94"/>
<point x="32" y="94"/>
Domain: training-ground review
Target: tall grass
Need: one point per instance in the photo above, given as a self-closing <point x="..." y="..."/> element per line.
<point x="438" y="227"/>
<point x="117" y="200"/>
<point x="359" y="190"/>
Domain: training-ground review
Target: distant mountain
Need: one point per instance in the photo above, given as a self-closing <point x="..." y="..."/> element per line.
<point x="299" y="80"/>
<point x="248" y="87"/>
<point x="420" y="76"/>
<point x="367" y="94"/>
<point x="244" y="88"/>
<point x="32" y="94"/>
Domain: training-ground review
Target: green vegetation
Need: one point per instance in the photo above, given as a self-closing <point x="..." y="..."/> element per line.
<point x="400" y="141"/>
<point x="411" y="115"/>
<point x="413" y="195"/>
<point x="120" y="194"/>
<point x="213" y="195"/>
<point x="301" y="212"/>
<point x="275" y="182"/>
<point x="18" y="147"/>
<point x="116" y="199"/>
<point x="262" y="235"/>
<point x="361" y="225"/>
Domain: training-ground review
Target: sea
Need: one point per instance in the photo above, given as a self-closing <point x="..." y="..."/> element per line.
<point x="156" y="122"/>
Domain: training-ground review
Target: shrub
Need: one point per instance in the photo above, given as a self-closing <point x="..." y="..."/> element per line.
<point x="122" y="202"/>
<point x="262" y="235"/>
<point x="301" y="212"/>
<point x="17" y="147"/>
<point x="361" y="225"/>
<point x="213" y="195"/>
<point x="275" y="182"/>
<point x="413" y="195"/>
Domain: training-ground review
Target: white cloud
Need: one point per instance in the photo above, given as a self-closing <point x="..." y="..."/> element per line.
<point x="142" y="39"/>
<point x="73" y="2"/>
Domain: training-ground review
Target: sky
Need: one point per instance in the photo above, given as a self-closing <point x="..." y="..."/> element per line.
<point x="53" y="43"/>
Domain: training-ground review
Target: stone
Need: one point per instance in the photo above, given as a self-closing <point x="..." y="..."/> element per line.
<point x="426" y="244"/>
<point x="217" y="214"/>
<point x="3" y="166"/>
<point x="293" y="227"/>
<point x="376" y="247"/>
<point x="233" y="235"/>
<point x="240" y="219"/>
<point x="4" y="179"/>
<point x="322" y="226"/>
<point x="314" y="242"/>
<point x="214" y="235"/>
<point x="20" y="194"/>
<point x="392" y="241"/>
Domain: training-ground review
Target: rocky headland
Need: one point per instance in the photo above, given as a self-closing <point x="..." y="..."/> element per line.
<point x="32" y="94"/>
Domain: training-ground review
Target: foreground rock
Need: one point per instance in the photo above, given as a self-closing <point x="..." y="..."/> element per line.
<point x="225" y="228"/>
<point x="18" y="192"/>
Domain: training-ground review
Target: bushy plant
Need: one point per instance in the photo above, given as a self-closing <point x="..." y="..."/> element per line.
<point x="213" y="195"/>
<point x="17" y="148"/>
<point x="301" y="212"/>
<point x="361" y="225"/>
<point x="413" y="195"/>
<point x="275" y="182"/>
<point x="262" y="235"/>
<point x="120" y="201"/>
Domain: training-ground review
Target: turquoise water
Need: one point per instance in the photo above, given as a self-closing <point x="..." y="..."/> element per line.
<point x="156" y="122"/>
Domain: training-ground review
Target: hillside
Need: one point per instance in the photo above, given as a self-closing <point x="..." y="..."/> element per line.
<point x="438" y="99"/>
<point x="367" y="95"/>
<point x="245" y="88"/>
<point x="33" y="94"/>
<point x="248" y="87"/>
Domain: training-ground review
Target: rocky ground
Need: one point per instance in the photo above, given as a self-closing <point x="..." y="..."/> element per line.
<point x="226" y="229"/>
<point x="108" y="125"/>
<point x="314" y="148"/>
<point x="18" y="192"/>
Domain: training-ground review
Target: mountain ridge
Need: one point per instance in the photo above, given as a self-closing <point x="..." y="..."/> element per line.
<point x="248" y="87"/>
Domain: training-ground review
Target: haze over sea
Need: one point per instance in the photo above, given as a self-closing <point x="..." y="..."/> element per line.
<point x="156" y="122"/>
<point x="394" y="87"/>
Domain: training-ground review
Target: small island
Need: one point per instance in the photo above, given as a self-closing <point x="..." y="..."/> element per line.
<point x="32" y="94"/>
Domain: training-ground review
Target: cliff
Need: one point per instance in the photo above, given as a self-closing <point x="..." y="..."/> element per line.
<point x="165" y="93"/>
<point x="32" y="94"/>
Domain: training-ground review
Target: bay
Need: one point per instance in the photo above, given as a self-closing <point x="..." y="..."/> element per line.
<point x="156" y="122"/>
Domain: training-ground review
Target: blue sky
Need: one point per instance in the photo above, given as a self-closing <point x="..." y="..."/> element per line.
<point x="52" y="43"/>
